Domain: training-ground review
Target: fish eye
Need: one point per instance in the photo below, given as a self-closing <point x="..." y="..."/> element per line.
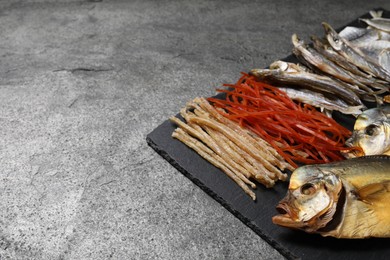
<point x="308" y="189"/>
<point x="370" y="130"/>
<point x="336" y="39"/>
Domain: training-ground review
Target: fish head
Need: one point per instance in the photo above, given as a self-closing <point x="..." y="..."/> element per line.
<point x="311" y="199"/>
<point x="333" y="37"/>
<point x="371" y="133"/>
<point x="297" y="42"/>
<point x="284" y="66"/>
<point x="279" y="65"/>
<point x="263" y="73"/>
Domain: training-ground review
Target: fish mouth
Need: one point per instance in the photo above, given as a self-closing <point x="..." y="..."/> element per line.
<point x="328" y="28"/>
<point x="353" y="153"/>
<point x="287" y="217"/>
<point x="354" y="150"/>
<point x="284" y="220"/>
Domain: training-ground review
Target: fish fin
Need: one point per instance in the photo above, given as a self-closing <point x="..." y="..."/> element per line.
<point x="369" y="193"/>
<point x="376" y="14"/>
<point x="384" y="59"/>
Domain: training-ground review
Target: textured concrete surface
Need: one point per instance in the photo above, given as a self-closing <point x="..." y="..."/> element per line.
<point x="81" y="85"/>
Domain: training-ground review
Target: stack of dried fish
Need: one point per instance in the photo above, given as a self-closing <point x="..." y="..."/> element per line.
<point x="341" y="71"/>
<point x="242" y="155"/>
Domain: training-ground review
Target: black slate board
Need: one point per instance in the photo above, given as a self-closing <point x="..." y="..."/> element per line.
<point x="257" y="215"/>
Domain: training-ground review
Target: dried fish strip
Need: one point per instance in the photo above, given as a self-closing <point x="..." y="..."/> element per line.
<point x="228" y="154"/>
<point x="243" y="157"/>
<point x="264" y="149"/>
<point x="236" y="151"/>
<point x="229" y="133"/>
<point x="198" y="132"/>
<point x="210" y="156"/>
<point x="191" y="131"/>
<point x="241" y="164"/>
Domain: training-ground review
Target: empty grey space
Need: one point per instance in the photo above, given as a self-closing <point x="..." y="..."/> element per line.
<point x="81" y="85"/>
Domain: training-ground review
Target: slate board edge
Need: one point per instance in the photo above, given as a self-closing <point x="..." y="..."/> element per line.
<point x="285" y="252"/>
<point x="282" y="250"/>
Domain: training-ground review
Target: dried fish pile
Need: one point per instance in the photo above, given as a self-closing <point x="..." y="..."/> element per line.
<point x="269" y="122"/>
<point x="242" y="155"/>
<point x="339" y="72"/>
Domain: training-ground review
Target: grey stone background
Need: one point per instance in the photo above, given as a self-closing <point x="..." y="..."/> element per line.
<point x="81" y="85"/>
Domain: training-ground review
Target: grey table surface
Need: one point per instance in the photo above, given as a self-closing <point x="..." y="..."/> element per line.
<point x="81" y="85"/>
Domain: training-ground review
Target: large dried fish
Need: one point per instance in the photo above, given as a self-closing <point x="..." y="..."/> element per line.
<point x="346" y="199"/>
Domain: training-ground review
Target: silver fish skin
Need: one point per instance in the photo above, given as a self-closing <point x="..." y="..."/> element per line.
<point x="373" y="49"/>
<point x="319" y="100"/>
<point x="354" y="55"/>
<point x="357" y="36"/>
<point x="378" y="51"/>
<point x="284" y="73"/>
<point x="361" y="36"/>
<point x="384" y="59"/>
<point x="382" y="24"/>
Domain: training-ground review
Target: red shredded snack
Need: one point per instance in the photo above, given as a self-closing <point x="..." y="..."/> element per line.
<point x="299" y="132"/>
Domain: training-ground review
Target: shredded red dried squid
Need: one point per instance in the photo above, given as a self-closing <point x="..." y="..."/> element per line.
<point x="299" y="132"/>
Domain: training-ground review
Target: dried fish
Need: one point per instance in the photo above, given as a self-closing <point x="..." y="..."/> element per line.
<point x="371" y="132"/>
<point x="285" y="73"/>
<point x="380" y="23"/>
<point x="312" y="58"/>
<point x="325" y="49"/>
<point x="319" y="100"/>
<point x="378" y="85"/>
<point x="354" y="55"/>
<point x="346" y="199"/>
<point x="357" y="34"/>
<point x="384" y="59"/>
<point x="375" y="49"/>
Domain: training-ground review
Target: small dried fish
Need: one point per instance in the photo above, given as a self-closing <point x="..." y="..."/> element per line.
<point x="378" y="85"/>
<point x="325" y="49"/>
<point x="312" y="58"/>
<point x="354" y="55"/>
<point x="284" y="73"/>
<point x="321" y="101"/>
